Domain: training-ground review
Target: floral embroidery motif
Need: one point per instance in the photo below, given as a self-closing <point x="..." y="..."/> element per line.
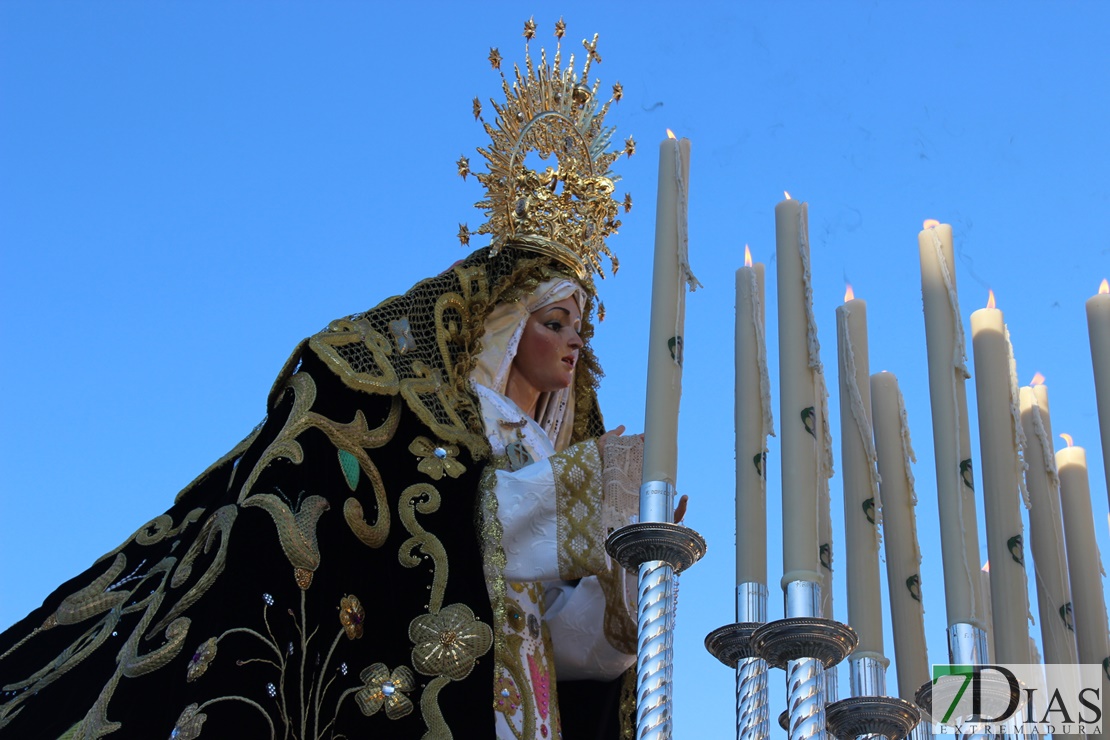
<point x="351" y="616"/>
<point x="507" y="696"/>
<point x="296" y="530"/>
<point x="189" y="723"/>
<point x="436" y="459"/>
<point x="382" y="688"/>
<point x="204" y="655"/>
<point x="449" y="642"/>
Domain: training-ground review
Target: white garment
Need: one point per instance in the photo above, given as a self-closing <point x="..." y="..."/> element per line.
<point x="572" y="613"/>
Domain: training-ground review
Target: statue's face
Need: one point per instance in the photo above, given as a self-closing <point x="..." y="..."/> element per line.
<point x="549" y="346"/>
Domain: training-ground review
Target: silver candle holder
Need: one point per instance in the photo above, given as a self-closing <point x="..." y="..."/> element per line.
<point x="869" y="711"/>
<point x="805" y="645"/>
<point x="731" y="644"/>
<point x="656" y="550"/>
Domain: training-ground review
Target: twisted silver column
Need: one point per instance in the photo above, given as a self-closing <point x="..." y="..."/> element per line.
<point x="805" y="678"/>
<point x="654" y="624"/>
<point x="753" y="714"/>
<point x="655" y="651"/>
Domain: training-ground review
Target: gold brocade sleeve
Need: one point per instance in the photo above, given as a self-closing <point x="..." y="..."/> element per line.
<point x="581" y="536"/>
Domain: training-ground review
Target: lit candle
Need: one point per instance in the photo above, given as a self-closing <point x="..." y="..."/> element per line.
<point x="860" y="476"/>
<point x="803" y="406"/>
<point x="668" y="312"/>
<point x="1046" y="528"/>
<point x="944" y="336"/>
<point x="753" y="424"/>
<point x="1084" y="565"/>
<point x="1000" y="436"/>
<point x="1098" y="326"/>
<point x="903" y="554"/>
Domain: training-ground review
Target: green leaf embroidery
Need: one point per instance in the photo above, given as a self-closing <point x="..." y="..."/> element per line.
<point x="349" y="463"/>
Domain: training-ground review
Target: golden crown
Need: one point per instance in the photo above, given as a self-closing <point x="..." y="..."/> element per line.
<point x="565" y="212"/>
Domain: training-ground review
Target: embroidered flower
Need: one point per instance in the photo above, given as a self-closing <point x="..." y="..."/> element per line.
<point x="382" y="688"/>
<point x="506" y="695"/>
<point x="351" y="616"/>
<point x="204" y="655"/>
<point x="448" y="642"/>
<point x="435" y="460"/>
<point x="189" y="723"/>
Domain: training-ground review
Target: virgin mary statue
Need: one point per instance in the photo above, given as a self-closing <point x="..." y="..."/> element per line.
<point x="410" y="544"/>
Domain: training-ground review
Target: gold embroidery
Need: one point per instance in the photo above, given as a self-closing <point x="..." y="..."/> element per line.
<point x="135" y="665"/>
<point x="449" y="642"/>
<point x="382" y="688"/>
<point x="353" y="438"/>
<point x="628" y="704"/>
<point x="95" y="598"/>
<point x="219" y="524"/>
<point x="619" y="627"/>
<point x="189" y="724"/>
<point x="202" y="657"/>
<point x="430" y="711"/>
<point x="423" y="498"/>
<point x="578" y="510"/>
<point x="436" y="459"/>
<point x="358" y="355"/>
<point x="296" y="531"/>
<point x="351" y="616"/>
<point x="506" y="647"/>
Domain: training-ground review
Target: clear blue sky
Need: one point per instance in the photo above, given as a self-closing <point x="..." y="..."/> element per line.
<point x="188" y="189"/>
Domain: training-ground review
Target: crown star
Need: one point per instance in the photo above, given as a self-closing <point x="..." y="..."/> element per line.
<point x="494" y="58"/>
<point x="567" y="210"/>
<point x="464" y="167"/>
<point x="560" y="28"/>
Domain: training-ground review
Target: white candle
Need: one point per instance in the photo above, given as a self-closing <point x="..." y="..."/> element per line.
<point x="1000" y="435"/>
<point x="944" y="335"/>
<point x="903" y="554"/>
<point x="1092" y="635"/>
<point x="860" y="476"/>
<point x="753" y="424"/>
<point x="803" y="405"/>
<point x="1098" y="326"/>
<point x="1046" y="528"/>
<point x="668" y="312"/>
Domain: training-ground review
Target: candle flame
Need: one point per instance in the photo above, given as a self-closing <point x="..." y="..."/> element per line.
<point x="1038" y="379"/>
<point x="747" y="256"/>
<point x="930" y="223"/>
<point x="987" y="567"/>
<point x="670" y="134"/>
<point x="1104" y="287"/>
<point x="787" y="195"/>
<point x="849" y="294"/>
<point x="1067" y="438"/>
<point x="990" y="299"/>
